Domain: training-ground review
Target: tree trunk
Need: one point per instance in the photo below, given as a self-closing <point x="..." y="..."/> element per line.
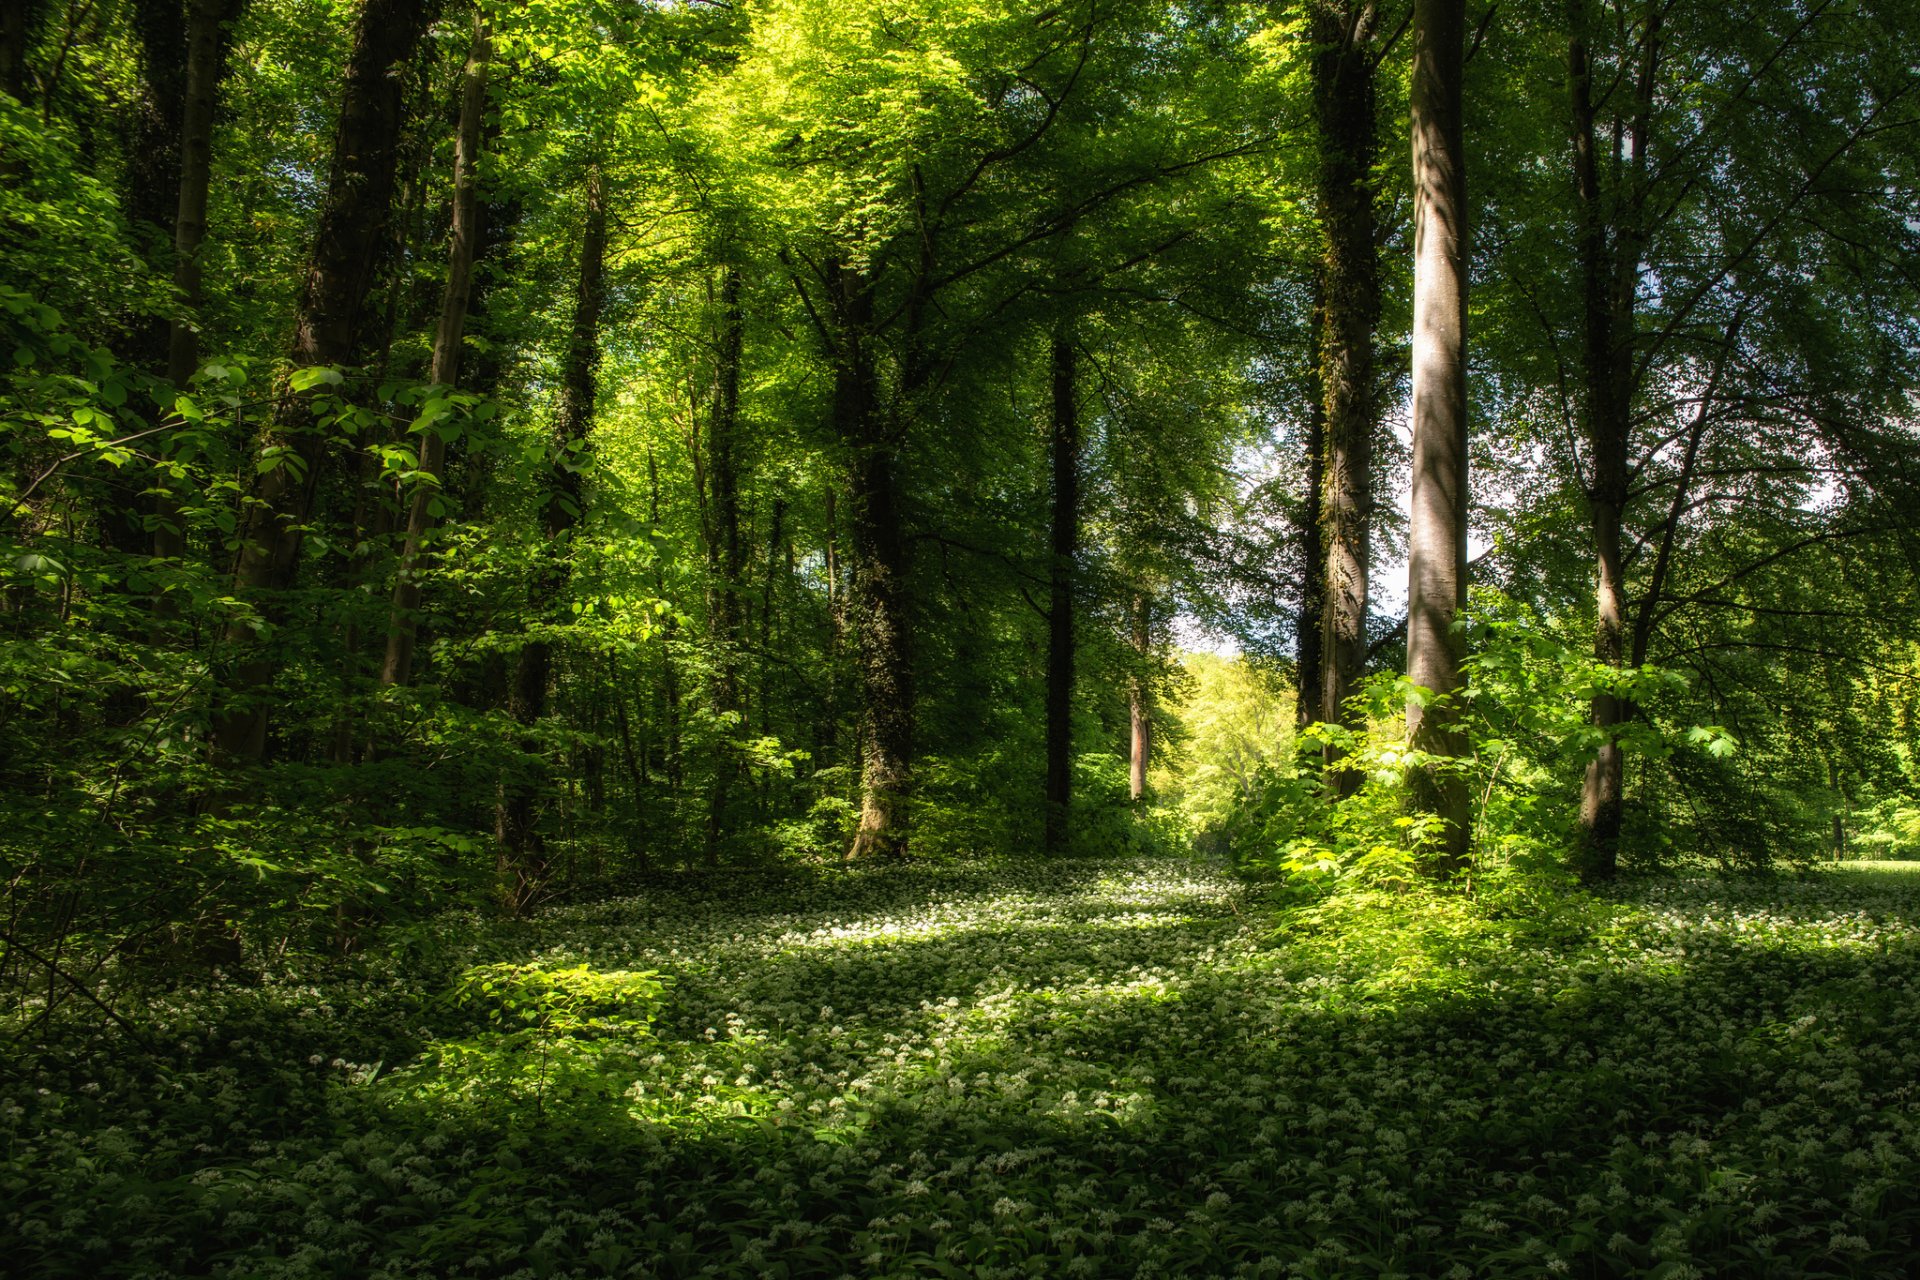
<point x="1139" y="708"/>
<point x="725" y="561"/>
<point x="1343" y="90"/>
<point x="877" y="589"/>
<point x="19" y="27"/>
<point x="769" y="601"/>
<point x="1309" y="640"/>
<point x="205" y="68"/>
<point x="1065" y="449"/>
<point x="293" y="448"/>
<point x="155" y="128"/>
<point x="1437" y="540"/>
<point x="522" y="851"/>
<point x="1609" y="283"/>
<point x="448" y="338"/>
<point x="829" y="734"/>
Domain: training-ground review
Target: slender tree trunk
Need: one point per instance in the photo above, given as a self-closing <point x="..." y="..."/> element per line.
<point x="1343" y="71"/>
<point x="376" y="495"/>
<point x="725" y="561"/>
<point x="155" y="128"/>
<point x="19" y="27"/>
<point x="205" y="68"/>
<point x="1609" y="282"/>
<point x="1309" y="638"/>
<point x="1065" y="450"/>
<point x="293" y="448"/>
<point x="448" y="338"/>
<point x="150" y="196"/>
<point x="769" y="597"/>
<point x="836" y="631"/>
<point x="636" y="761"/>
<point x="1437" y="542"/>
<point x="522" y="851"/>
<point x="1139" y="705"/>
<point x="877" y="590"/>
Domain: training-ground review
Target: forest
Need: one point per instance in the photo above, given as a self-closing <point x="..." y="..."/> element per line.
<point x="776" y="638"/>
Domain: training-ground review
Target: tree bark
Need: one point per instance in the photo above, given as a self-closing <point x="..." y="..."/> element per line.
<point x="1139" y="705"/>
<point x="876" y="590"/>
<point x="1343" y="75"/>
<point x="1609" y="272"/>
<point x="449" y="337"/>
<point x="205" y="68"/>
<point x="1309" y="637"/>
<point x="725" y="561"/>
<point x="1064" y="444"/>
<point x="522" y="849"/>
<point x="829" y="731"/>
<point x="293" y="448"/>
<point x="1437" y="541"/>
<point x="19" y="26"/>
<point x="155" y="127"/>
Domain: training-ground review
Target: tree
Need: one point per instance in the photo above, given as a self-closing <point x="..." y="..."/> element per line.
<point x="1343" y="66"/>
<point x="293" y="448"/>
<point x="523" y="864"/>
<point x="1437" y="543"/>
<point x="1064" y="451"/>
<point x="448" y="340"/>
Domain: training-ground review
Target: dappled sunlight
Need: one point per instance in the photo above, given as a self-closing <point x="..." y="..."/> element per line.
<point x="1102" y="1069"/>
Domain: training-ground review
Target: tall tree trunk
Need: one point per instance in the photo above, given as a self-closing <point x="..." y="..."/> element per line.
<point x="669" y="669"/>
<point x="293" y="447"/>
<point x="1437" y="541"/>
<point x="150" y="197"/>
<point x="1064" y="440"/>
<point x="522" y="850"/>
<point x="725" y="561"/>
<point x="769" y="600"/>
<point x="1139" y="705"/>
<point x="1343" y="91"/>
<point x="1609" y="274"/>
<point x="829" y="733"/>
<point x="1309" y="639"/>
<point x="154" y="132"/>
<point x="376" y="495"/>
<point x="205" y="68"/>
<point x="449" y="336"/>
<point x="877" y="589"/>
<point x="19" y="27"/>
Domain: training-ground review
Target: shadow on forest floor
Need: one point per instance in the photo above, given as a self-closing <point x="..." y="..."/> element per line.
<point x="1093" y="1069"/>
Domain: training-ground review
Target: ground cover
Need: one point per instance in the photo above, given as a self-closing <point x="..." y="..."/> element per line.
<point x="1100" y="1069"/>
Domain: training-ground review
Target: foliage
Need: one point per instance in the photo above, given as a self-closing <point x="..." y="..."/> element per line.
<point x="1073" y="1068"/>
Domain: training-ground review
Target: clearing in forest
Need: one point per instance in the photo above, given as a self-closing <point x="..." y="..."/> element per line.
<point x="1077" y="1068"/>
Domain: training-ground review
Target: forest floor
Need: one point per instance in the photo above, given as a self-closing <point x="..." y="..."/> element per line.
<point x="1080" y="1069"/>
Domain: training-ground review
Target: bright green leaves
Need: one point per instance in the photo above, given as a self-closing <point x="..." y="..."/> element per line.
<point x="545" y="1034"/>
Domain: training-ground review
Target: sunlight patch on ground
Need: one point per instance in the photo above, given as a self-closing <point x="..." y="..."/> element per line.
<point x="1063" y="1068"/>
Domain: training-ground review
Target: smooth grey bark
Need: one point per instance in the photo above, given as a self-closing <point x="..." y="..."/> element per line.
<point x="1437" y="540"/>
<point x="449" y="337"/>
<point x="1139" y="701"/>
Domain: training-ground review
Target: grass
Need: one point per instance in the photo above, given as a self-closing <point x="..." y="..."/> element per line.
<point x="1099" y="1069"/>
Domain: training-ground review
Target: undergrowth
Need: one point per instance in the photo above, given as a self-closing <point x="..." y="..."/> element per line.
<point x="1078" y="1068"/>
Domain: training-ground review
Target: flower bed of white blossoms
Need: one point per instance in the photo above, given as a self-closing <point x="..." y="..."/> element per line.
<point x="1074" y="1069"/>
